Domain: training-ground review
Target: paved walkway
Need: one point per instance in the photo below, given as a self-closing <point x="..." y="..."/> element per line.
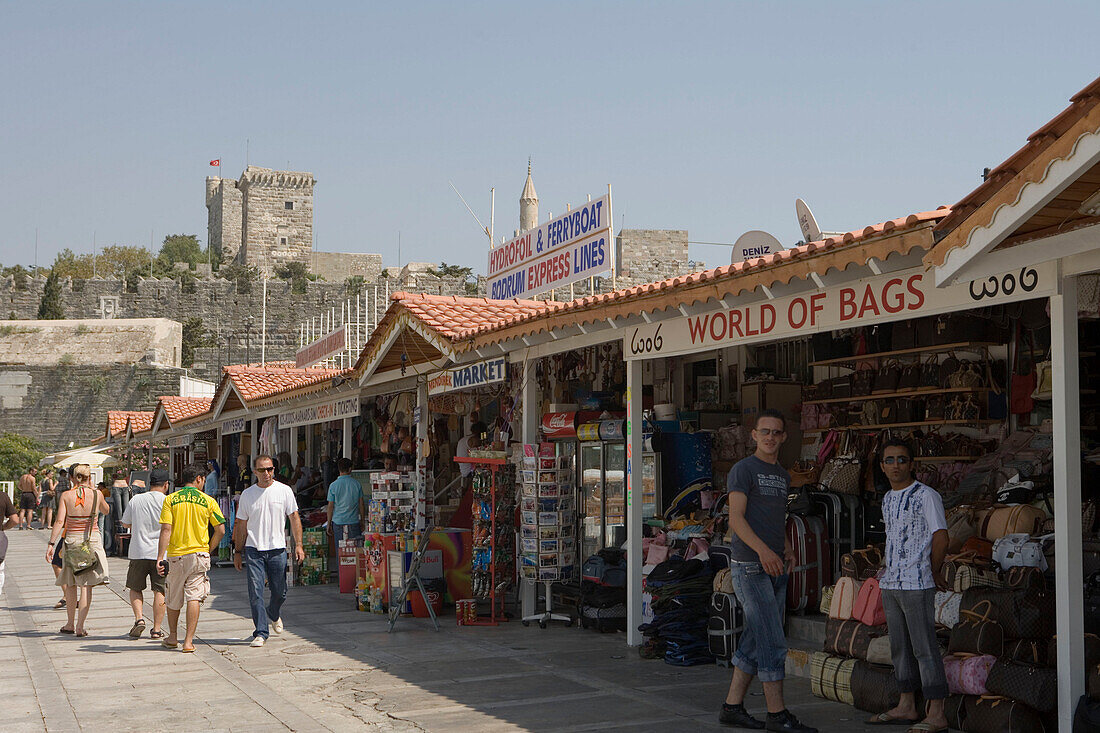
<point x="335" y="669"/>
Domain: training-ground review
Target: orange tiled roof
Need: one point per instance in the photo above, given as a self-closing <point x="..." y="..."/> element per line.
<point x="116" y="420"/>
<point x="451" y="316"/>
<point x="141" y="421"/>
<point x="736" y="277"/>
<point x="256" y="382"/>
<point x="182" y="408"/>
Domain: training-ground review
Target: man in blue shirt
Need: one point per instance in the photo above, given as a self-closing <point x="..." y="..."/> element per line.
<point x="345" y="504"/>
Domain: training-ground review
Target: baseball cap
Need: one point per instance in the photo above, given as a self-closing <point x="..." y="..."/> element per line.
<point x="158" y="476"/>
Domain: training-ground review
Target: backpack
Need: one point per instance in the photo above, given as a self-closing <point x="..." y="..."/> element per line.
<point x="607" y="567"/>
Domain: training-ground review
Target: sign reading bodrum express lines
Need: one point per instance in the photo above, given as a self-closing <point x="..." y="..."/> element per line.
<point x="902" y="295"/>
<point x="569" y="248"/>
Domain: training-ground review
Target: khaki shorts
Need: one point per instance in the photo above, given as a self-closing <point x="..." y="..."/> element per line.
<point x="187" y="579"/>
<point x="139" y="571"/>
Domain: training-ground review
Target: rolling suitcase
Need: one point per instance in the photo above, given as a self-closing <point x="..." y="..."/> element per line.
<point x="724" y="625"/>
<point x="874" y="527"/>
<point x="808" y="538"/>
<point x="844" y="522"/>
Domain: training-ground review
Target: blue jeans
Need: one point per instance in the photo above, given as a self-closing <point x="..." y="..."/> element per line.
<point x="258" y="565"/>
<point x="911" y="623"/>
<point x="762" y="646"/>
<point x="346" y="532"/>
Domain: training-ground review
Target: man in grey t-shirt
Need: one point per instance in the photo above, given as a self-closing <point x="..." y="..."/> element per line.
<point x="758" y="488"/>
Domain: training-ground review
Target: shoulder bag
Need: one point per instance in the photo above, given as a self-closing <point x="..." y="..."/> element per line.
<point x="82" y="558"/>
<point x="868" y="609"/>
<point x="842" y="473"/>
<point x="1020" y="401"/>
<point x="976" y="634"/>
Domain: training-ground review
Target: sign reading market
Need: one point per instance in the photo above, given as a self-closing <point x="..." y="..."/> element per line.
<point x="470" y="375"/>
<point x="570" y="248"/>
<point x="324" y="412"/>
<point x="897" y="296"/>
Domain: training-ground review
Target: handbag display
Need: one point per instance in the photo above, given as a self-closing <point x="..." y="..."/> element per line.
<point x="850" y="638"/>
<point x="82" y="558"/>
<point x="947" y="604"/>
<point x="990" y="714"/>
<point x="842" y="472"/>
<point x="831" y="677"/>
<point x="910" y="377"/>
<point x="878" y="651"/>
<point x="1019" y="550"/>
<point x="967" y="674"/>
<point x="1006" y="520"/>
<point x="1036" y="687"/>
<point x="803" y="473"/>
<point x="962" y="576"/>
<point x="887" y="378"/>
<point x="975" y="634"/>
<point x="1023" y="614"/>
<point x="861" y="564"/>
<point x="868" y="609"/>
<point x="874" y="688"/>
<point x="844" y="598"/>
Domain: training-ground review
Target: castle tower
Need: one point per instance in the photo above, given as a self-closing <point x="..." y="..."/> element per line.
<point x="276" y="217"/>
<point x="528" y="203"/>
<point x="223" y="217"/>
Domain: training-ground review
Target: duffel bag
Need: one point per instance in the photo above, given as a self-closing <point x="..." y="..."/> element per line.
<point x="868" y="608"/>
<point x="962" y="576"/>
<point x="960" y="528"/>
<point x="1036" y="687"/>
<point x="861" y="564"/>
<point x="1023" y="578"/>
<point x="844" y="598"/>
<point x="831" y="677"/>
<point x="826" y="599"/>
<point x="850" y="638"/>
<point x="947" y="607"/>
<point x="1006" y="520"/>
<point x="1086" y="719"/>
<point x="966" y="674"/>
<point x="976" y="634"/>
<point x="1019" y="550"/>
<point x="1092" y="652"/>
<point x="954" y="709"/>
<point x="978" y="548"/>
<point x="1023" y="614"/>
<point x="1028" y="651"/>
<point x="878" y="651"/>
<point x="991" y="714"/>
<point x="874" y="688"/>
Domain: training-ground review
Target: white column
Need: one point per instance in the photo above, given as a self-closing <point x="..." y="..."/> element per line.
<point x="171" y="464"/>
<point x="1068" y="572"/>
<point x="254" y="443"/>
<point x="421" y="427"/>
<point x="633" y="502"/>
<point x="149" y="462"/>
<point x="347" y="438"/>
<point x="530" y="434"/>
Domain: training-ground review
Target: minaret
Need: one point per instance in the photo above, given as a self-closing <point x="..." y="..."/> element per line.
<point x="528" y="204"/>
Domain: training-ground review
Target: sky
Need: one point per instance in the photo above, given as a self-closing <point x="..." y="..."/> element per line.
<point x="710" y="117"/>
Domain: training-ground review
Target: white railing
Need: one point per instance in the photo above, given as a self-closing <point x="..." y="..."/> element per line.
<point x="359" y="315"/>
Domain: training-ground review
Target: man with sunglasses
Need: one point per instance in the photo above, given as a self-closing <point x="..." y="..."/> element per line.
<point x="916" y="542"/>
<point x="761" y="560"/>
<point x="259" y="535"/>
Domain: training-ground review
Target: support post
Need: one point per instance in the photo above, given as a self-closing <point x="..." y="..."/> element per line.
<point x="1068" y="572"/>
<point x="530" y="433"/>
<point x="254" y="441"/>
<point x="633" y="502"/>
<point x="347" y="438"/>
<point x="421" y="426"/>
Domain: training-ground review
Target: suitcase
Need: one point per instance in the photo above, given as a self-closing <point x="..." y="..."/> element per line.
<point x="844" y="521"/>
<point x="720" y="557"/>
<point x="874" y="526"/>
<point x="724" y="626"/>
<point x="809" y="540"/>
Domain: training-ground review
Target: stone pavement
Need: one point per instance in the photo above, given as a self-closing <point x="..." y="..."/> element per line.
<point x="335" y="669"/>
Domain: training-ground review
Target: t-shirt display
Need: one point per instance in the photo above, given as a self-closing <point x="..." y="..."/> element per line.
<point x="190" y="512"/>
<point x="143" y="515"/>
<point x="266" y="511"/>
<point x="766" y="485"/>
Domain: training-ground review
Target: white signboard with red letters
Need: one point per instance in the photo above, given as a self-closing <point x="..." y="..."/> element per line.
<point x="902" y="295"/>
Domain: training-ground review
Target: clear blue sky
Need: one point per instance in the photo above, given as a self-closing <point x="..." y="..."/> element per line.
<point x="711" y="117"/>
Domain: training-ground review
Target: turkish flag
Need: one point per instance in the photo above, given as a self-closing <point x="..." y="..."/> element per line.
<point x="217" y="162"/>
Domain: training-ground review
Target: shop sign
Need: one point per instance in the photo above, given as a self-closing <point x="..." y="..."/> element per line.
<point x="469" y="376"/>
<point x="559" y="425"/>
<point x="897" y="296"/>
<point x="327" y="346"/>
<point x="570" y="248"/>
<point x="231" y="427"/>
<point x="180" y="441"/>
<point x="324" y="412"/>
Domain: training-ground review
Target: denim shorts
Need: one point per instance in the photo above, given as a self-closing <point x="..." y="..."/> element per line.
<point x="762" y="646"/>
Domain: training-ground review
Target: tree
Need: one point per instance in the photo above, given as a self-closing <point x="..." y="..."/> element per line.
<point x="194" y="336"/>
<point x="116" y="261"/>
<point x="445" y="270"/>
<point x="49" y="308"/>
<point x="297" y="273"/>
<point x="180" y="248"/>
<point x="18" y="453"/>
<point x="240" y="275"/>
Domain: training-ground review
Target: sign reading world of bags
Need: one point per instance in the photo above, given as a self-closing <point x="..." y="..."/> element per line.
<point x="470" y="375"/>
<point x="324" y="412"/>
<point x="897" y="296"/>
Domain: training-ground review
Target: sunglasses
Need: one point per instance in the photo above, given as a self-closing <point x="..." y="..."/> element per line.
<point x="265" y="469"/>
<point x="770" y="431"/>
<point x="900" y="460"/>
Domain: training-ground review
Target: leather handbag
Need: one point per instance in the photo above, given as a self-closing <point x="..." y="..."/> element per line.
<point x="874" y="688"/>
<point x="975" y="634"/>
<point x="869" y="413"/>
<point x="878" y="651"/>
<point x="863" y="382"/>
<point x="868" y="609"/>
<point x="1019" y="550"/>
<point x="844" y="598"/>
<point x="1028" y="651"/>
<point x="910" y="377"/>
<point x="980" y="547"/>
<point x="935" y="408"/>
<point x="947" y="604"/>
<point x="861" y="564"/>
<point x="842" y="473"/>
<point x="1036" y="687"/>
<point x="1024" y="379"/>
<point x="930" y="374"/>
<point x="991" y="714"/>
<point x="967" y="673"/>
<point x="803" y="473"/>
<point x="831" y="677"/>
<point x="1023" y="614"/>
<point x="1006" y="520"/>
<point x="1024" y="577"/>
<point x="887" y="378"/>
<point x="946" y="368"/>
<point x="826" y="599"/>
<point x="850" y="638"/>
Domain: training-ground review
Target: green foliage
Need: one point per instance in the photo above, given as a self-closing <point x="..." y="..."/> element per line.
<point x="354" y="285"/>
<point x="297" y="273"/>
<point x="66" y="359"/>
<point x="240" y="275"/>
<point x="194" y="335"/>
<point x="114" y="261"/>
<point x="471" y="288"/>
<point x="17" y="454"/>
<point x="82" y="329"/>
<point x="49" y="308"/>
<point x="445" y="270"/>
<point x="97" y="383"/>
<point x="180" y="248"/>
<point x="19" y="275"/>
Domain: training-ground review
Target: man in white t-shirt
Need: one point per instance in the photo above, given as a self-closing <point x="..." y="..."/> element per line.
<point x="142" y="518"/>
<point x="462" y="450"/>
<point x="916" y="543"/>
<point x="259" y="536"/>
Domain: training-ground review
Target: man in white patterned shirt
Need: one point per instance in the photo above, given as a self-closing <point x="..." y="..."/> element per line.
<point x="916" y="542"/>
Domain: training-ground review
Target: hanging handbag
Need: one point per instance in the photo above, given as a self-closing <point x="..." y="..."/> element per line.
<point x="976" y="634"/>
<point x="1032" y="685"/>
<point x="1020" y="401"/>
<point x="82" y="558"/>
<point x="803" y="473"/>
<point x="842" y="473"/>
<point x="967" y="673"/>
<point x="1044" y="381"/>
<point x="990" y="714"/>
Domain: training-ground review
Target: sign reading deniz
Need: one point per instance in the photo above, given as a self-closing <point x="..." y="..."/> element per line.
<point x="471" y="375"/>
<point x="572" y="247"/>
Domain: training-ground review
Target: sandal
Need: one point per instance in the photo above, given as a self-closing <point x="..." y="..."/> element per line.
<point x="137" y="629"/>
<point x="59" y="604"/>
<point x="884" y="719"/>
<point x="169" y="645"/>
<point x="927" y="728"/>
<point x="63" y="630"/>
<point x="157" y="634"/>
<point x="81" y="633"/>
<point x="185" y="650"/>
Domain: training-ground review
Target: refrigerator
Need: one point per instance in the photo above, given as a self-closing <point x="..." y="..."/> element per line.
<point x="601" y="505"/>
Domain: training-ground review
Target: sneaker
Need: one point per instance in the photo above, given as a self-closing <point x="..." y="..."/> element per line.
<point x="785" y="721"/>
<point x="737" y="716"/>
<point x="257" y="641"/>
<point x="277" y="626"/>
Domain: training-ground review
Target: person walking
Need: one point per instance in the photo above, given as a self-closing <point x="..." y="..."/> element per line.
<point x="761" y="560"/>
<point x="142" y="518"/>
<point x="77" y="516"/>
<point x="28" y="498"/>
<point x="63" y="485"/>
<point x="9" y="517"/>
<point x="260" y="538"/>
<point x="345" y="504"/>
<point x="916" y="543"/>
<point x="48" y="490"/>
<point x="183" y="553"/>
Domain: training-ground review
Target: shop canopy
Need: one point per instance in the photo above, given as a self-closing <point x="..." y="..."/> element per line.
<point x="171" y="411"/>
<point x="117" y="420"/>
<point x="87" y="454"/>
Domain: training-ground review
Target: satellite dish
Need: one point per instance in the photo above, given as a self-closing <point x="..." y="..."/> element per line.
<point x="752" y="244"/>
<point x="811" y="232"/>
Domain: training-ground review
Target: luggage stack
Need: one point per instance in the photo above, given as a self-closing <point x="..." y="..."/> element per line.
<point x="602" y="603"/>
<point x="681" y="591"/>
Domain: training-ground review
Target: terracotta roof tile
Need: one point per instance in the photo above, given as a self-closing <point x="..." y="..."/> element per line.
<point x="116" y="420"/>
<point x="451" y="316"/>
<point x="141" y="421"/>
<point x="182" y="408"/>
<point x="256" y="382"/>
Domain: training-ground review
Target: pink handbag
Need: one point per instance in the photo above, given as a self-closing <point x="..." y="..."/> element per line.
<point x="966" y="674"/>
<point x="868" y="609"/>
